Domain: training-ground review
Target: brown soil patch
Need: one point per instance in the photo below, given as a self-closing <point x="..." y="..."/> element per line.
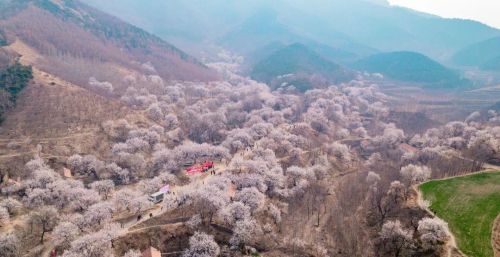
<point x="482" y="190"/>
<point x="29" y="56"/>
<point x="495" y="237"/>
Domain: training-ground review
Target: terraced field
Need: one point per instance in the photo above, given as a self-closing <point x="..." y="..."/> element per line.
<point x="470" y="205"/>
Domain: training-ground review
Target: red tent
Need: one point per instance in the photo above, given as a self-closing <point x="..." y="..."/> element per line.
<point x="204" y="167"/>
<point x="194" y="170"/>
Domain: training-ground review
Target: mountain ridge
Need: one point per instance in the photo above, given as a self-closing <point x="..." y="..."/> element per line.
<point x="389" y="28"/>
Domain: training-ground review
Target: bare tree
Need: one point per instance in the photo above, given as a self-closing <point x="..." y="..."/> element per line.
<point x="46" y="217"/>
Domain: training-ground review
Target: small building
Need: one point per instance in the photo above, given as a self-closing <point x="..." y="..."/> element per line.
<point x="67" y="173"/>
<point x="151" y="252"/>
<point x="156" y="197"/>
<point x="407" y="148"/>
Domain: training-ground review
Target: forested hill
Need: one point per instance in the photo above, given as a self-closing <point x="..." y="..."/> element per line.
<point x="412" y="67"/>
<point x="301" y="63"/>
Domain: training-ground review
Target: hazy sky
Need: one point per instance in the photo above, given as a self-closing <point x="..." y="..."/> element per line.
<point x="486" y="11"/>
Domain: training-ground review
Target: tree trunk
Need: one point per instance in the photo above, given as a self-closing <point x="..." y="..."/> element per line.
<point x="43" y="234"/>
<point x="317" y="225"/>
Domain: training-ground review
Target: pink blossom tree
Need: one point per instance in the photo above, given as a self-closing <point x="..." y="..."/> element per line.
<point x="65" y="233"/>
<point x="202" y="245"/>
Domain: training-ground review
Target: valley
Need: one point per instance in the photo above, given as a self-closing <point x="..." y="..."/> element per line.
<point x="246" y="128"/>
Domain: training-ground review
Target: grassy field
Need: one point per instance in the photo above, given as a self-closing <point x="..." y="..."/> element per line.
<point x="470" y="205"/>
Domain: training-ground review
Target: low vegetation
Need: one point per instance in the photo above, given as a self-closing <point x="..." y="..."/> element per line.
<point x="13" y="80"/>
<point x="470" y="205"/>
<point x="3" y="40"/>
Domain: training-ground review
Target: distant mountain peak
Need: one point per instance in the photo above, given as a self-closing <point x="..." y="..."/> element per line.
<point x="378" y="2"/>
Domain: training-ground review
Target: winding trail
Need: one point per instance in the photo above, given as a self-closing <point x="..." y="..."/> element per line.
<point x="66" y="137"/>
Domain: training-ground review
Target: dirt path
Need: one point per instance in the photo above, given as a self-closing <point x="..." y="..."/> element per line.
<point x="487" y="166"/>
<point x="495" y="237"/>
<point x="48" y="248"/>
<point x="491" y="166"/>
<point x="168" y="222"/>
<point x="72" y="136"/>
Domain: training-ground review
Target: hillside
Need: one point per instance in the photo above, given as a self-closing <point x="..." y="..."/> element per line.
<point x="46" y="98"/>
<point x="495" y="107"/>
<point x="304" y="66"/>
<point x="60" y="117"/>
<point x="68" y="35"/>
<point x="13" y="79"/>
<point x="482" y="54"/>
<point x="412" y="67"/>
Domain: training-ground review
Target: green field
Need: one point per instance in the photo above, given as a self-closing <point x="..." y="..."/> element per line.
<point x="470" y="205"/>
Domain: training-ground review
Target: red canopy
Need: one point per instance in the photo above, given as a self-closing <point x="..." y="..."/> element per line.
<point x="200" y="168"/>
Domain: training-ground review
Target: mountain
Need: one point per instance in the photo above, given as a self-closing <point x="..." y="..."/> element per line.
<point x="257" y="31"/>
<point x="492" y="65"/>
<point x="195" y="24"/>
<point x="299" y="66"/>
<point x="495" y="107"/>
<point x="390" y="28"/>
<point x="62" y="37"/>
<point x="355" y="26"/>
<point x="232" y="24"/>
<point x="266" y="26"/>
<point x="412" y="67"/>
<point x="379" y="2"/>
<point x="481" y="54"/>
